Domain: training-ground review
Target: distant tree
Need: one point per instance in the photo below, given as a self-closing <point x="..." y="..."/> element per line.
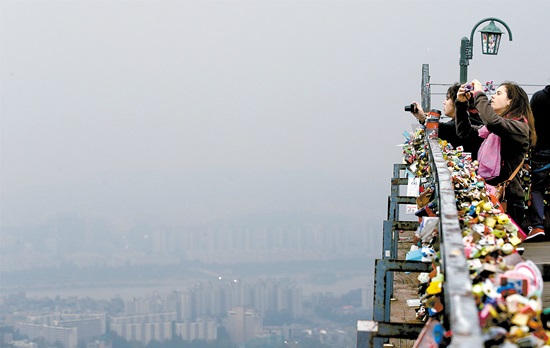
<point x="223" y="341"/>
<point x="176" y="342"/>
<point x="279" y="318"/>
<point x="136" y="344"/>
<point x="222" y="333"/>
<point x="119" y="342"/>
<point x="18" y="336"/>
<point x="116" y="306"/>
<point x="40" y="342"/>
<point x="155" y="344"/>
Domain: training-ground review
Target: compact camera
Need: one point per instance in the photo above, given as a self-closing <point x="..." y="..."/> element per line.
<point x="469" y="87"/>
<point x="412" y="108"/>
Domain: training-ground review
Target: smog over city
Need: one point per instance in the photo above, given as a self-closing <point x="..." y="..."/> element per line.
<point x="153" y="153"/>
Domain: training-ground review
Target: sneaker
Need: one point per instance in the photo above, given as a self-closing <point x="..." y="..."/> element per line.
<point x="535" y="233"/>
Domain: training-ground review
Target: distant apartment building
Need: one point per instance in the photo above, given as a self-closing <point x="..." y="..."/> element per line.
<point x="213" y="299"/>
<point x="137" y="306"/>
<point x="167" y="317"/>
<point x="287" y="331"/>
<point x="144" y="332"/>
<point x="199" y="330"/>
<point x="243" y="324"/>
<point x="216" y="298"/>
<point x="87" y="329"/>
<point x="51" y="327"/>
<point x="67" y="336"/>
<point x="288" y="298"/>
<point x="154" y="303"/>
<point x="185" y="306"/>
<point x="144" y="328"/>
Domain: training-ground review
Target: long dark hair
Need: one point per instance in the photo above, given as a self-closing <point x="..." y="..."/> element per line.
<point x="519" y="107"/>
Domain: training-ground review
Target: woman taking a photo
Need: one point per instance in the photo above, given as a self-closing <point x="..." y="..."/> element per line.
<point x="447" y="130"/>
<point x="507" y="115"/>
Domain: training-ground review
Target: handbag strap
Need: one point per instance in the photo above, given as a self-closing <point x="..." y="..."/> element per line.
<point x="514" y="173"/>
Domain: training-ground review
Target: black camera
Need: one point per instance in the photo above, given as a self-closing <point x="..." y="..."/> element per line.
<point x="412" y="108"/>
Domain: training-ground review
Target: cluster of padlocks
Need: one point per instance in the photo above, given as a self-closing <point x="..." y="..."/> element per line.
<point x="507" y="288"/>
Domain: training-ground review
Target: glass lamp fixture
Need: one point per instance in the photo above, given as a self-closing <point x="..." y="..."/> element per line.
<point x="490" y="39"/>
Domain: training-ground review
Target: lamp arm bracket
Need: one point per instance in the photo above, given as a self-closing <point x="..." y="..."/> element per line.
<point x="489" y="19"/>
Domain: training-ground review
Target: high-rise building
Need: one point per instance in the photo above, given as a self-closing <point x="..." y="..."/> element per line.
<point x="137" y="306"/>
<point x="242" y="324"/>
<point x="199" y="330"/>
<point x="144" y="318"/>
<point x="296" y="302"/>
<point x="185" y="306"/>
<point x="156" y="331"/>
<point x="142" y="331"/>
<point x="67" y="336"/>
<point x="169" y="302"/>
<point x="86" y="328"/>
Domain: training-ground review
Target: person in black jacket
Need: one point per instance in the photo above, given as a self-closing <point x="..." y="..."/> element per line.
<point x="540" y="163"/>
<point x="509" y="116"/>
<point x="447" y="130"/>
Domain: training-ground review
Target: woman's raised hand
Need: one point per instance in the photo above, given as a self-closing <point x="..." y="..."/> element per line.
<point x="464" y="93"/>
<point x="477" y="86"/>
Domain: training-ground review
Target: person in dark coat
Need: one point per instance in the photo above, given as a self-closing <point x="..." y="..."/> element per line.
<point x="540" y="163"/>
<point x="447" y="130"/>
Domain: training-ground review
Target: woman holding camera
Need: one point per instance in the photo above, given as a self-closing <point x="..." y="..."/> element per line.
<point x="507" y="115"/>
<point x="447" y="130"/>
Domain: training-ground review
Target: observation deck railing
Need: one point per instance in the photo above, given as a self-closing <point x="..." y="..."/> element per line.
<point x="460" y="314"/>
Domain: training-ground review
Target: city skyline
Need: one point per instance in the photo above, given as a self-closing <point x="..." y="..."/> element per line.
<point x="270" y="308"/>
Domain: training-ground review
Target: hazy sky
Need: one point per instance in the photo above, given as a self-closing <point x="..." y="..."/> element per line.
<point x="181" y="111"/>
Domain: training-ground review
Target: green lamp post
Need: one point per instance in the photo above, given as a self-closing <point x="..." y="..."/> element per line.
<point x="490" y="42"/>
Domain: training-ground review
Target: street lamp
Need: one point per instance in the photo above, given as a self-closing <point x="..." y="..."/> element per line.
<point x="490" y="42"/>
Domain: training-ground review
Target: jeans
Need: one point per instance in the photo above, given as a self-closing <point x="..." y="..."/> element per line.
<point x="516" y="210"/>
<point x="539" y="183"/>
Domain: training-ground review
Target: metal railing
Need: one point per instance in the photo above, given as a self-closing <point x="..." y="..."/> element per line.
<point x="460" y="316"/>
<point x="460" y="309"/>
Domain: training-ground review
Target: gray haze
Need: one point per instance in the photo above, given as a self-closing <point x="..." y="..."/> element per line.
<point x="175" y="113"/>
